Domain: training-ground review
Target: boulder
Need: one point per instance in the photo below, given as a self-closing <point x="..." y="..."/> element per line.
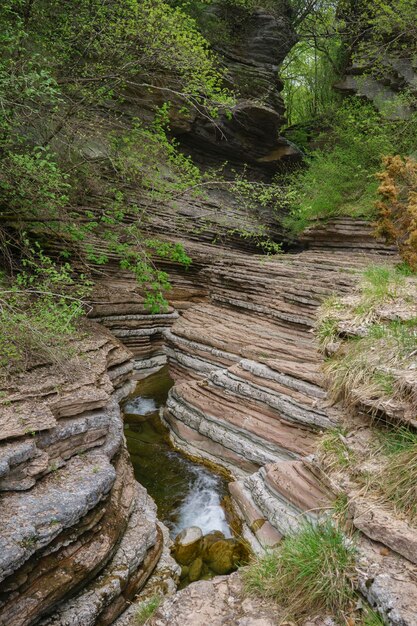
<point x="187" y="545"/>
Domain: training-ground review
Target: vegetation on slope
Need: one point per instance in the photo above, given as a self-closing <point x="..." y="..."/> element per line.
<point x="370" y="338"/>
<point x="342" y="163"/>
<point x="311" y="572"/>
<point x="397" y="207"/>
<point x="370" y="343"/>
<point x="73" y="154"/>
<point x="71" y="151"/>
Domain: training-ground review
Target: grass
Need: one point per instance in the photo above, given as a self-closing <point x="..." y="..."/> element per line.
<point x="371" y="350"/>
<point x="327" y="331"/>
<point x="312" y="571"/>
<point x="398" y="479"/>
<point x="327" y="327"/>
<point x="368" y="367"/>
<point x="381" y="282"/>
<point x="371" y="618"/>
<point x="146" y="609"/>
<point x="335" y="450"/>
<point x="340" y="508"/>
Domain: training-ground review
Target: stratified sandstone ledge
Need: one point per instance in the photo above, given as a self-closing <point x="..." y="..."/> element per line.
<point x="72" y="514"/>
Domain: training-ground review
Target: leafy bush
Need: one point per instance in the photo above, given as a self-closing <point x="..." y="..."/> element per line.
<point x="340" y="178"/>
<point x="397" y="208"/>
<point x="65" y="68"/>
<point x="312" y="571"/>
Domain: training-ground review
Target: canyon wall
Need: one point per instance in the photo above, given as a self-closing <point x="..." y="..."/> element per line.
<point x="249" y="395"/>
<point x="75" y="524"/>
<point x="80" y="536"/>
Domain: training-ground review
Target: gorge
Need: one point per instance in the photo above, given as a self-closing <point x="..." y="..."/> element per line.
<point x="216" y="411"/>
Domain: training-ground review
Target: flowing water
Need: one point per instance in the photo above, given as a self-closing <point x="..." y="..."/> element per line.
<point x="186" y="493"/>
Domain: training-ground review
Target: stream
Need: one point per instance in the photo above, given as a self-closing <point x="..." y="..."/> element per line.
<point x="186" y="493"/>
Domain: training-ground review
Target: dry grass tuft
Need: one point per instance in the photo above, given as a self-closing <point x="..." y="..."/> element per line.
<point x="398" y="479"/>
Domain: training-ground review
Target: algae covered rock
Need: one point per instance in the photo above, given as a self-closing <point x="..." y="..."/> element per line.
<point x="209" y="555"/>
<point x="220" y="557"/>
<point x="187" y="545"/>
<point x="195" y="570"/>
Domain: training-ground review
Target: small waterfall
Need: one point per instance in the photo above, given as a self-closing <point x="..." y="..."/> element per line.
<point x="140" y="406"/>
<point x="202" y="505"/>
<point x="186" y="493"/>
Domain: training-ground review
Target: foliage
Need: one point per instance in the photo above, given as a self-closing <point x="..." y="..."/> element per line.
<point x="313" y="66"/>
<point x="340" y="176"/>
<point x="334" y="449"/>
<point x="39" y="312"/>
<point x="312" y="571"/>
<point x="65" y="69"/>
<point x="380" y="30"/>
<point x="371" y="617"/>
<point x="368" y="349"/>
<point x="379" y="284"/>
<point x="397" y="208"/>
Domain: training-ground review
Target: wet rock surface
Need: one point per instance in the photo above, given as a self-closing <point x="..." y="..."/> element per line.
<point x="188" y="545"/>
<point x="203" y="556"/>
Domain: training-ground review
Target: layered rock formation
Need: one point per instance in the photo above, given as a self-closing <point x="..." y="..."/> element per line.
<point x="71" y="511"/>
<point x="252" y="43"/>
<point x="249" y="395"/>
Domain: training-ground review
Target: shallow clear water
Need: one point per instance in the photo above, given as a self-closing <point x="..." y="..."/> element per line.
<point x="186" y="493"/>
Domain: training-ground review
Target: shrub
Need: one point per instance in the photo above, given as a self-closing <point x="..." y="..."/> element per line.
<point x="312" y="571"/>
<point x="39" y="312"/>
<point x="340" y="176"/>
<point x="397" y="208"/>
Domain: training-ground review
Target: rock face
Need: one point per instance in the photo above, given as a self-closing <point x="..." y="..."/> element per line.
<point x="221" y="602"/>
<point x="71" y="511"/>
<point x="254" y="44"/>
<point x="79" y="536"/>
<point x="249" y="396"/>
